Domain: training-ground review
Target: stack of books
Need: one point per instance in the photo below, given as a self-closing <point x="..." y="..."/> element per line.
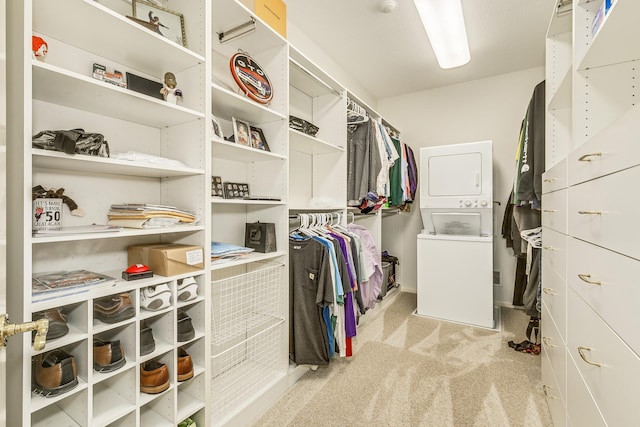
<point x="144" y="215"/>
<point x="46" y="286"/>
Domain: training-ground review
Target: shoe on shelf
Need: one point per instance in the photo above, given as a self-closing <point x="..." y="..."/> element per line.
<point x="187" y="289"/>
<point x="187" y="423"/>
<point x="108" y="356"/>
<point x="154" y="377"/>
<point x="185" y="327"/>
<point x="185" y="365"/>
<point x="147" y="343"/>
<point x="57" y="323"/>
<point x="114" y="308"/>
<point x="55" y="373"/>
<point x="154" y="298"/>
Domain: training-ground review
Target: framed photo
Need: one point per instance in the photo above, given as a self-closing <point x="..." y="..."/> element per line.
<point x="163" y="21"/>
<point x="234" y="190"/>
<point x="216" y="128"/>
<point x="241" y="132"/>
<point x="258" y="140"/>
<point x="216" y="187"/>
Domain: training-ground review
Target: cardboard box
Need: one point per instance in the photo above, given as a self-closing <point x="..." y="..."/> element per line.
<point x="168" y="259"/>
<point x="274" y="13"/>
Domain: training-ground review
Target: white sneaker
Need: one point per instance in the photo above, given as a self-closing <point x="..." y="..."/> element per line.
<point x="154" y="298"/>
<point x="187" y="289"/>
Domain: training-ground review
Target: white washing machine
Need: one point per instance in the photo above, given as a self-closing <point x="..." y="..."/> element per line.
<point x="455" y="248"/>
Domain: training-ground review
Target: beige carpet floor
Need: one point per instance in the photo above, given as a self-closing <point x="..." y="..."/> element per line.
<point x="409" y="370"/>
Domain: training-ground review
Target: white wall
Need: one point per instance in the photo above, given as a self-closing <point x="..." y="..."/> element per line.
<point x="486" y="109"/>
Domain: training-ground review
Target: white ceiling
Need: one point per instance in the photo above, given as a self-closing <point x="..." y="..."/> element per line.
<point x="390" y="54"/>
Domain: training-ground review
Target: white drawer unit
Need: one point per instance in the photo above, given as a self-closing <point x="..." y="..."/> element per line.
<point x="554" y="250"/>
<point x="554" y="210"/>
<point x="607" y="281"/>
<point x="610" y="369"/>
<point x="554" y="295"/>
<point x="555" y="349"/>
<point x="600" y="214"/>
<point x="551" y="391"/>
<point x="555" y="178"/>
<point x="581" y="408"/>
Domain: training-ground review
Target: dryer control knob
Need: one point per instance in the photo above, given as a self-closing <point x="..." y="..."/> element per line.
<point x="467" y="202"/>
<point x="484" y="203"/>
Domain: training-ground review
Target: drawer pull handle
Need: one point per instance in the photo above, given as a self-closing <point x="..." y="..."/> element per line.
<point x="549" y="291"/>
<point x="549" y="210"/>
<point x="590" y="212"/>
<point x="550" y="179"/>
<point x="581" y="351"/>
<point x="586" y="157"/>
<point x="544" y="389"/>
<point x="550" y="248"/>
<point x="546" y="340"/>
<point x="587" y="278"/>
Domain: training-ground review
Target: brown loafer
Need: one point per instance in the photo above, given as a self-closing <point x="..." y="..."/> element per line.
<point x="57" y="322"/>
<point x="108" y="356"/>
<point x="185" y="365"/>
<point x="114" y="308"/>
<point x="56" y="373"/>
<point x="154" y="377"/>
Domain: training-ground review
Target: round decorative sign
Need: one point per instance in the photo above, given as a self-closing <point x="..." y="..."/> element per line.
<point x="251" y="78"/>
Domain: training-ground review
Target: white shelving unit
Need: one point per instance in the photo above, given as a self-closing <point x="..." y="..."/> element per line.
<point x="60" y="93"/>
<point x="591" y="350"/>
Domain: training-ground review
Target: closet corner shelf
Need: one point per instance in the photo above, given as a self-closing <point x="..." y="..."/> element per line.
<point x="251" y="257"/>
<point x="299" y="141"/>
<point x="91" y="34"/>
<point x="123" y="232"/>
<point x="83" y="163"/>
<point x="227" y="104"/>
<point x="59" y="86"/>
<point x="231" y="151"/>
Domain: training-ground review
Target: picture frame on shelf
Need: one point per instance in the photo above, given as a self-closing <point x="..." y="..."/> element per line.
<point x="216" y="187"/>
<point x="161" y="20"/>
<point x="216" y="128"/>
<point x="258" y="139"/>
<point x="241" y="132"/>
<point x="234" y="190"/>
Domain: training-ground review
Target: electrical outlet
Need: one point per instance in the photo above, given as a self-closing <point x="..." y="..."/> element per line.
<point x="496" y="277"/>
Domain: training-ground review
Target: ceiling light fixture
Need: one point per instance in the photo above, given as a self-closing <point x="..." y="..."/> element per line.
<point x="444" y="22"/>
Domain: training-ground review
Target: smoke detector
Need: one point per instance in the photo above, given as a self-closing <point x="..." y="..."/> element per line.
<point x="387" y="6"/>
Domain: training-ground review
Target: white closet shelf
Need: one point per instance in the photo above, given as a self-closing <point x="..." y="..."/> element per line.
<point x="227" y="104"/>
<point x="307" y="82"/>
<point x="52" y="416"/>
<point x="147" y="398"/>
<point x="188" y="407"/>
<point x="124" y="232"/>
<point x="109" y="406"/>
<point x="59" y="86"/>
<point x="305" y="209"/>
<point x="231" y="151"/>
<point x="561" y="22"/>
<point x="39" y="402"/>
<point x="148" y="417"/>
<point x="247" y="202"/>
<point x="562" y="97"/>
<point x="83" y="163"/>
<point x="251" y="257"/>
<point x="74" y="335"/>
<point x="612" y="43"/>
<point x="98" y="377"/>
<point x="92" y="33"/>
<point x="264" y="38"/>
<point x="299" y="141"/>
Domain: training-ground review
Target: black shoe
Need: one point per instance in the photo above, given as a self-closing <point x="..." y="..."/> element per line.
<point x="147" y="343"/>
<point x="185" y="327"/>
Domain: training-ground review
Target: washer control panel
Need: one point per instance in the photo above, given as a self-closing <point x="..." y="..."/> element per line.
<point x="473" y="203"/>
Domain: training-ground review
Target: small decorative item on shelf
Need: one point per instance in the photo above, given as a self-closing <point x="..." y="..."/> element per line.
<point x="303" y="126"/>
<point x="47" y="208"/>
<point x="169" y="90"/>
<point x="251" y="78"/>
<point x="73" y="141"/>
<point x="216" y="128"/>
<point x="216" y="187"/>
<point x="260" y="236"/>
<point x="39" y="48"/>
<point x="145" y="86"/>
<point x="100" y="73"/>
<point x="163" y="21"/>
<point x="136" y="272"/>
<point x="258" y="140"/>
<point x="233" y="190"/>
<point x="241" y="133"/>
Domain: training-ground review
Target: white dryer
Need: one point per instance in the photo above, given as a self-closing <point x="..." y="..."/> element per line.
<point x="455" y="248"/>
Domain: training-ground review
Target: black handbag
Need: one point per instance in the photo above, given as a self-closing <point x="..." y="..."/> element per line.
<point x="260" y="236"/>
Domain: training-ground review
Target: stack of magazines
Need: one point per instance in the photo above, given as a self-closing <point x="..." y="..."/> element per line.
<point x="225" y="252"/>
<point x="144" y="215"/>
<point x="45" y="286"/>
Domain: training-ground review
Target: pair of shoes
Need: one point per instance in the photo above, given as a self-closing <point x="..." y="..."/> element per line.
<point x="187" y="289"/>
<point x="55" y="373"/>
<point x="114" y="308"/>
<point x="108" y="356"/>
<point x="185" y="327"/>
<point x="57" y="323"/>
<point x="185" y="365"/>
<point x="147" y="343"/>
<point x="155" y="298"/>
<point x="154" y="377"/>
<point x="187" y="423"/>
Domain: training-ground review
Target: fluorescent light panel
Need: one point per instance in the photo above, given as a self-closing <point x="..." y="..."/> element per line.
<point x="444" y="22"/>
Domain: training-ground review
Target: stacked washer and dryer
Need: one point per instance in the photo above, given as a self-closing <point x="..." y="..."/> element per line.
<point x="455" y="248"/>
